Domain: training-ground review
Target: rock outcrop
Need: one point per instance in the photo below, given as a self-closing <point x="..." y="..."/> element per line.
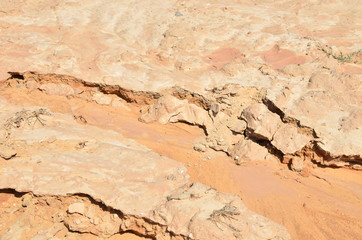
<point x="281" y="124"/>
<point x="177" y="44"/>
<point x="124" y="186"/>
<point x="260" y="89"/>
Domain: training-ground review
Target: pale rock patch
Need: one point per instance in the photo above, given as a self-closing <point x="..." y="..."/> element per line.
<point x="56" y="89"/>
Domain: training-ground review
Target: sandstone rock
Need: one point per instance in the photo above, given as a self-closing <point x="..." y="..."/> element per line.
<point x="27" y="200"/>
<point x="170" y="109"/>
<point x="297" y="164"/>
<point x="213" y="208"/>
<point x="200" y="147"/>
<point x="78" y="207"/>
<point x="335" y="119"/>
<point x="102" y="99"/>
<point x="119" y="104"/>
<point x="162" y="51"/>
<point x="7" y="152"/>
<point x="288" y="140"/>
<point x="124" y="191"/>
<point x="168" y="53"/>
<point x="262" y="123"/>
<point x="237" y="126"/>
<point x="32" y="85"/>
<point x="57" y="89"/>
<point x="247" y="150"/>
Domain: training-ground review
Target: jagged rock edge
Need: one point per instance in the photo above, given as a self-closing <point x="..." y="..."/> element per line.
<point x="287" y="119"/>
<point x="140" y="97"/>
<point x="109" y="209"/>
<point x="148" y="97"/>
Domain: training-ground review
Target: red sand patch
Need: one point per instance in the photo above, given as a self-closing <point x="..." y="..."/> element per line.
<point x="222" y="56"/>
<point x="279" y="58"/>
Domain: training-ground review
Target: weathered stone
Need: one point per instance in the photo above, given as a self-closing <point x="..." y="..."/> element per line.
<point x="246" y="150"/>
<point x="78" y="207"/>
<point x="262" y="123"/>
<point x="170" y="109"/>
<point x="200" y="147"/>
<point x="329" y="105"/>
<point x="237" y="126"/>
<point x="297" y="164"/>
<point x="102" y="99"/>
<point x="57" y="89"/>
<point x="32" y="85"/>
<point x="123" y="44"/>
<point x="7" y="152"/>
<point x="119" y="104"/>
<point x="27" y="200"/>
<point x="101" y="174"/>
<point x="288" y="140"/>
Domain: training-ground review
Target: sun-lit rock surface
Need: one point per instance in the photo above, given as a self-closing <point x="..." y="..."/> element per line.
<point x="148" y="46"/>
<point x="199" y="46"/>
<point x="56" y="156"/>
<point x="271" y="80"/>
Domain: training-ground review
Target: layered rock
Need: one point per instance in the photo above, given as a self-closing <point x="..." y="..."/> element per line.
<point x="260" y="88"/>
<point x="137" y="189"/>
<point x="179" y="44"/>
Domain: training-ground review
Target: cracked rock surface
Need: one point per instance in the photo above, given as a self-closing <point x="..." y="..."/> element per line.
<point x="56" y="156"/>
<point x="287" y="68"/>
<point x="279" y="81"/>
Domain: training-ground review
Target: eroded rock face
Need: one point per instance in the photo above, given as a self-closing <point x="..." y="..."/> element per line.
<point x="247" y="150"/>
<point x="328" y="104"/>
<point x="260" y="88"/>
<point x="262" y="123"/>
<point x="136" y="49"/>
<point x="57" y="89"/>
<point x="169" y="109"/>
<point x="285" y="122"/>
<point x="56" y="156"/>
<point x="232" y="114"/>
<point x="148" y="47"/>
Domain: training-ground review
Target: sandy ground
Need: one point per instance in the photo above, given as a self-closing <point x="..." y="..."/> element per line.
<point x="326" y="205"/>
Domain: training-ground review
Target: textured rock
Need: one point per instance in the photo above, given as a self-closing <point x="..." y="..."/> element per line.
<point x="224" y="55"/>
<point x="121" y="175"/>
<point x="297" y="164"/>
<point x="56" y="89"/>
<point x="127" y="45"/>
<point x="262" y="123"/>
<point x="288" y="140"/>
<point x="266" y="125"/>
<point x="102" y="99"/>
<point x="330" y="104"/>
<point x="200" y="147"/>
<point x="78" y="207"/>
<point x="170" y="109"/>
<point x="237" y="126"/>
<point x="147" y="47"/>
<point x="7" y="152"/>
<point x="247" y="150"/>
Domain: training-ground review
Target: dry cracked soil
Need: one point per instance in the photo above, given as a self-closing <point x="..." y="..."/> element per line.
<point x="180" y="120"/>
